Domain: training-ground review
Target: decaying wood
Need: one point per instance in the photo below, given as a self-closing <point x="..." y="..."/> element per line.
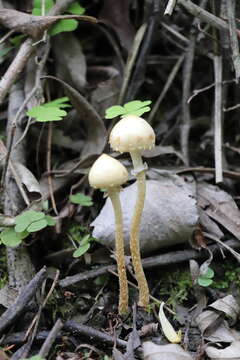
<point x="15" y="310"/>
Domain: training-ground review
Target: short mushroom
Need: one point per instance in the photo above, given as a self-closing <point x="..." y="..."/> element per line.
<point x="109" y="174"/>
<point x="133" y="134"/>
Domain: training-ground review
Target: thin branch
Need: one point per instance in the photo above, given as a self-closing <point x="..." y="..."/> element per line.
<point x="169" y="82"/>
<point x="53" y="334"/>
<point x="218" y="100"/>
<point x="170" y="7"/>
<point x="203" y="15"/>
<point x="16" y="309"/>
<point x="233" y="37"/>
<point x="15" y="68"/>
<point x="186" y="115"/>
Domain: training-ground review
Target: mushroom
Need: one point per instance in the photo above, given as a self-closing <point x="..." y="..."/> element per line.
<point x="133" y="134"/>
<point x="109" y="174"/>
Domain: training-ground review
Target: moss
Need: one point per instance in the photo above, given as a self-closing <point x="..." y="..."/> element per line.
<point x="176" y="286"/>
<point x="229" y="277"/>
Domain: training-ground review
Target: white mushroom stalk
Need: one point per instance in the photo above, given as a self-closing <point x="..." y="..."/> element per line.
<point x="108" y="173"/>
<point x="133" y="134"/>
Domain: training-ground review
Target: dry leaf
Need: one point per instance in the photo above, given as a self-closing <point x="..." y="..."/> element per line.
<point x="219" y="206"/>
<point x="212" y="324"/>
<point x="71" y="63"/>
<point x="29" y="181"/>
<point x="152" y="351"/>
<point x="167" y="328"/>
<point x="118" y="19"/>
<point x="231" y="352"/>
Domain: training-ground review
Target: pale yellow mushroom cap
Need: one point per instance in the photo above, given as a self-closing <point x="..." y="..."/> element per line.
<point x="107" y="172"/>
<point x="132" y="133"/>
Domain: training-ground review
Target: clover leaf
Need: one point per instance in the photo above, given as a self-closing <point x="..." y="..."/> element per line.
<point x="10" y="237"/>
<point x="135" y="107"/>
<point x="81" y="199"/>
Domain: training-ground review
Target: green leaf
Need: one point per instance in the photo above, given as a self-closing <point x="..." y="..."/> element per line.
<point x="209" y="274"/>
<point x="37" y="225"/>
<point x="85" y="240"/>
<point x="76" y="9"/>
<point x="140" y="112"/>
<point x="4" y="50"/>
<point x="16" y="40"/>
<point x="63" y="26"/>
<point x="50" y="220"/>
<point x="81" y="199"/>
<point x="81" y="250"/>
<point x="37" y="7"/>
<point x="26" y="218"/>
<point x="44" y="113"/>
<point x="203" y="281"/>
<point x="114" y="111"/>
<point x="10" y="238"/>
<point x="133" y="105"/>
<point x="60" y="102"/>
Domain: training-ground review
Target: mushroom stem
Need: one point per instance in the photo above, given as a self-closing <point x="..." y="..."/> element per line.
<point x="113" y="193"/>
<point x="135" y="228"/>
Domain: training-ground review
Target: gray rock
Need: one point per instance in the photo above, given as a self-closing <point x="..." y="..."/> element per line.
<point x="169" y="217"/>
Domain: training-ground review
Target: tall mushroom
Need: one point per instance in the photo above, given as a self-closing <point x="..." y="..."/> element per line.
<point x="109" y="174"/>
<point x="133" y="134"/>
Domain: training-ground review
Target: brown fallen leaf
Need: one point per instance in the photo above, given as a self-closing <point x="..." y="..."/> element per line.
<point x="34" y="25"/>
<point x="220" y="206"/>
<point x="212" y="324"/>
<point x="152" y="351"/>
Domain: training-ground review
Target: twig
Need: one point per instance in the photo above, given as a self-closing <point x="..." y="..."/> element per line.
<point x="16" y="309"/>
<point x="170" y="7"/>
<point x="3" y="150"/>
<point x="229" y="174"/>
<point x="176" y="33"/>
<point x="53" y="334"/>
<point x="166" y="88"/>
<point x="160" y="260"/>
<point x="218" y="100"/>
<point x="186" y="116"/>
<point x="15" y="68"/>
<point x="92" y="333"/>
<point x="50" y="184"/>
<point x="231" y="108"/>
<point x="208" y="87"/>
<point x="203" y="15"/>
<point x="6" y="36"/>
<point x="233" y="37"/>
<point x="223" y="244"/>
<point x="71" y="280"/>
<point x="60" y="7"/>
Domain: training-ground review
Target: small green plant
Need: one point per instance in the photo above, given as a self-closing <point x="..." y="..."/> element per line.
<point x="64" y="25"/>
<point x="28" y="222"/>
<point x="206" y="279"/>
<point x="135" y="107"/>
<point x="230" y="278"/>
<point x="175" y="286"/>
<point x="81" y="199"/>
<point x="79" y="235"/>
<point x="83" y="247"/>
<point x="50" y="111"/>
